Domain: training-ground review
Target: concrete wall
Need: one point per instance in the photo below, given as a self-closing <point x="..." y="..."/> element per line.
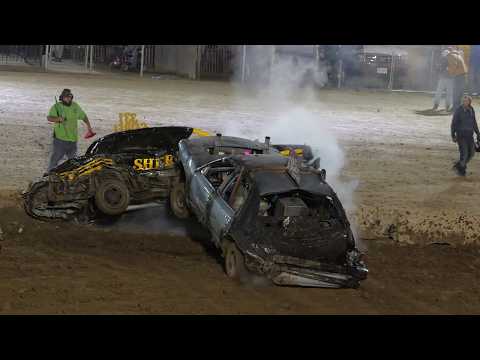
<point x="176" y="59"/>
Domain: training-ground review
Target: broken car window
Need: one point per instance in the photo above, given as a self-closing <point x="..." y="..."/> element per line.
<point x="218" y="173"/>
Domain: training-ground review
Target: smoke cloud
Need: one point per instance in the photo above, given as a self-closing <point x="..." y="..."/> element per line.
<point x="285" y="94"/>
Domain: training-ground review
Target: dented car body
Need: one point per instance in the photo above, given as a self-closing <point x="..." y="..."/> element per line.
<point x="270" y="214"/>
<point x="267" y="207"/>
<point x="118" y="170"/>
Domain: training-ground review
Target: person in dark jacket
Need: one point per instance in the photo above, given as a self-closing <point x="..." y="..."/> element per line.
<point x="463" y="126"/>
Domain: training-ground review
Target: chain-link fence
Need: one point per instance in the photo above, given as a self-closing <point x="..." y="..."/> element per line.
<point x="77" y="58"/>
<point x="410" y="70"/>
<point x="21" y="55"/>
<point x="216" y="61"/>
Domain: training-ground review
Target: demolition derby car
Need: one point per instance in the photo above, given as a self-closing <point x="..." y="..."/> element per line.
<point x="270" y="214"/>
<point x="121" y="169"/>
<point x="267" y="207"/>
<point x="124" y="168"/>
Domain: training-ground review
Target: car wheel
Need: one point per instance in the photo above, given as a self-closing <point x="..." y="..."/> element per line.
<point x="234" y="262"/>
<point x="178" y="203"/>
<point x="36" y="197"/>
<point x="112" y="196"/>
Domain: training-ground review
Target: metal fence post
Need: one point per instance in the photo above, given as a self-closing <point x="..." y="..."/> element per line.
<point x="86" y="57"/>
<point x="47" y="51"/>
<point x="91" y="57"/>
<point x="432" y="83"/>
<point x="392" y="69"/>
<point x="244" y="56"/>
<point x="142" y="57"/>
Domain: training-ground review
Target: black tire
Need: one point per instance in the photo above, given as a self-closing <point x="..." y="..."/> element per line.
<point x="36" y="195"/>
<point x="234" y="262"/>
<point x="178" y="203"/>
<point x="112" y="196"/>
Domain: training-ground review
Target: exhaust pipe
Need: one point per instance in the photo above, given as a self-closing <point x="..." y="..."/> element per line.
<point x="267" y="143"/>
<point x="218" y="140"/>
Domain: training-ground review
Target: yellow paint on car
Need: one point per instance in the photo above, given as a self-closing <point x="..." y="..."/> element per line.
<point x="86" y="169"/>
<point x="299" y="152"/>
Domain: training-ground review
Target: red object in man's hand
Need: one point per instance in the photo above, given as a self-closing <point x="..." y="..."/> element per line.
<point x="89" y="134"/>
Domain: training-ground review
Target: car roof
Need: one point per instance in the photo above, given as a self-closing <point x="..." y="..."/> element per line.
<point x="198" y="147"/>
<point x="273" y="161"/>
<point x="271" y="175"/>
<point x="204" y="142"/>
<point x="276" y="182"/>
<point x="269" y="171"/>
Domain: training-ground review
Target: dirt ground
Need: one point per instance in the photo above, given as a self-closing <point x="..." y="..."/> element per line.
<point x="52" y="269"/>
<point x="402" y="161"/>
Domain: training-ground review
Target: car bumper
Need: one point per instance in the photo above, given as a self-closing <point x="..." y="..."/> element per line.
<point x="288" y="271"/>
<point x="314" y="278"/>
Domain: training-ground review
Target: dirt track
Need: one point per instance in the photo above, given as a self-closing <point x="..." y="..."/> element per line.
<point x="402" y="161"/>
<point x="90" y="271"/>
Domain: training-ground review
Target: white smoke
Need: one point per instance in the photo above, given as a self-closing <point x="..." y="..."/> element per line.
<point x="302" y="127"/>
<point x="284" y="94"/>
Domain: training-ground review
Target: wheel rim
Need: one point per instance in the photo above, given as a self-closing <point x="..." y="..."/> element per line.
<point x="113" y="196"/>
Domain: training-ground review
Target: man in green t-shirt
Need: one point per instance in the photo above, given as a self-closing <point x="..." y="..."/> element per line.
<point x="65" y="115"/>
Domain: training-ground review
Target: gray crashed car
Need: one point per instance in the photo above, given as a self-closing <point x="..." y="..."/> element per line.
<point x="269" y="210"/>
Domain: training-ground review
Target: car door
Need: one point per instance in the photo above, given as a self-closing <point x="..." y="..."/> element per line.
<point x="200" y="194"/>
<point x="220" y="212"/>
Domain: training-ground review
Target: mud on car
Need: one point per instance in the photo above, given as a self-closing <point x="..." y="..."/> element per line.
<point x="118" y="170"/>
<point x="268" y="207"/>
<point x="269" y="210"/>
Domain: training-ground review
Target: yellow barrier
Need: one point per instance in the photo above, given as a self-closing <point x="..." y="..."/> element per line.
<point x="128" y="121"/>
<point x="200" y="132"/>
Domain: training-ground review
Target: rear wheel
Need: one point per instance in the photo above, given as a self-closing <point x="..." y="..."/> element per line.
<point x="178" y="203"/>
<point x="234" y="262"/>
<point x="36" y="198"/>
<point x="112" y="196"/>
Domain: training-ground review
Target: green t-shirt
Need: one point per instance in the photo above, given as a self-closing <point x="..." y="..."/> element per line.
<point x="68" y="130"/>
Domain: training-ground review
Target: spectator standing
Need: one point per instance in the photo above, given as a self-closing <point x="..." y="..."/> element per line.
<point x="445" y="81"/>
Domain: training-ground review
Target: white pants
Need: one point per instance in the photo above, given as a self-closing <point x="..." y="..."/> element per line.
<point x="444" y="84"/>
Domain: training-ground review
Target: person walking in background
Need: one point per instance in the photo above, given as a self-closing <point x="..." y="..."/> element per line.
<point x="474" y="70"/>
<point x="56" y="52"/>
<point x="464" y="124"/>
<point x="445" y="81"/>
<point x="458" y="70"/>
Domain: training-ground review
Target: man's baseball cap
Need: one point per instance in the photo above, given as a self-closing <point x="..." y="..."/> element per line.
<point x="66" y="93"/>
